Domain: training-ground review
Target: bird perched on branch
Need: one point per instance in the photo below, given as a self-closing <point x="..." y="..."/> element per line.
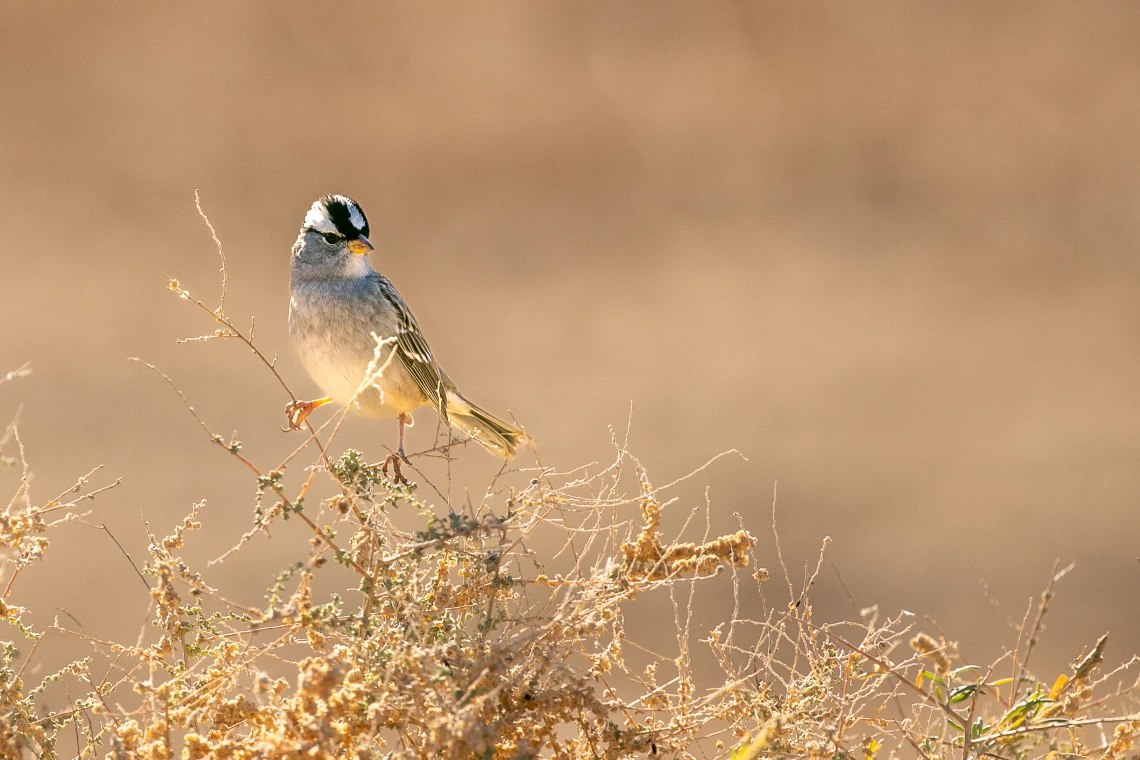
<point x="341" y="309"/>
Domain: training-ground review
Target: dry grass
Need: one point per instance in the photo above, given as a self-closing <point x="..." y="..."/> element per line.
<point x="454" y="639"/>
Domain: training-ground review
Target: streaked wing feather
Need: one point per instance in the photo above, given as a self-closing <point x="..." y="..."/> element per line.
<point x="417" y="357"/>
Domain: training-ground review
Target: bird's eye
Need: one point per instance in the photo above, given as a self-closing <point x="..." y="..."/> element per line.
<point x="332" y="237"/>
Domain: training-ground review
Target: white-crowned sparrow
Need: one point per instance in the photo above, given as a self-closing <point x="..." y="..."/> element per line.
<point x="338" y="304"/>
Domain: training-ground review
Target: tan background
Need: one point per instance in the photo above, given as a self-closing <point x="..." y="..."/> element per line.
<point x="887" y="251"/>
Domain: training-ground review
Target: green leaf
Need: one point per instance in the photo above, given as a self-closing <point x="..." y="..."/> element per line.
<point x="957" y="671"/>
<point x="962" y="693"/>
<point x="931" y="676"/>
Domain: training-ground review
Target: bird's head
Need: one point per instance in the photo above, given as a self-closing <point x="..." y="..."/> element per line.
<point x="334" y="239"/>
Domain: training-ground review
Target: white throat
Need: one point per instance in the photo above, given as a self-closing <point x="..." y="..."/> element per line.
<point x="357" y="266"/>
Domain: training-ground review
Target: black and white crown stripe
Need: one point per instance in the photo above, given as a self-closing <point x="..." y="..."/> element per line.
<point x="338" y="215"/>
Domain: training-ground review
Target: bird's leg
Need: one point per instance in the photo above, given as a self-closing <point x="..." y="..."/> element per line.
<point x="394" y="459"/>
<point x="298" y="411"/>
<point x="404" y="420"/>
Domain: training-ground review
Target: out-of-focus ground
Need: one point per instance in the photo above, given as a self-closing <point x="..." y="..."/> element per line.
<point x="886" y="250"/>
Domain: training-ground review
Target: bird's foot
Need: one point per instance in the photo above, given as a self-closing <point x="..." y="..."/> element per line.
<point x="298" y="411"/>
<point x="394" y="460"/>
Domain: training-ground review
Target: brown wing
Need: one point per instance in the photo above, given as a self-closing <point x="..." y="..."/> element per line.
<point x="413" y="350"/>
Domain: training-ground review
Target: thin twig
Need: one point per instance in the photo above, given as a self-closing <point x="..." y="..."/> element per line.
<point x="221" y="253"/>
<point x="888" y="668"/>
<point x="23" y="370"/>
<point x="273" y="486"/>
<point x="1042" y="609"/>
<point x="103" y="527"/>
<point x="233" y="332"/>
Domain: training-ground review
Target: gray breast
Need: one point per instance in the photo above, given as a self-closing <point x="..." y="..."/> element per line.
<point x="332" y="323"/>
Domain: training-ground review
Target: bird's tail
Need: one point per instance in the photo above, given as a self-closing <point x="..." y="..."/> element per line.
<point x="500" y="437"/>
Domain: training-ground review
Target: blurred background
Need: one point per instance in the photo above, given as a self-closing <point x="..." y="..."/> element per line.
<point x="888" y="251"/>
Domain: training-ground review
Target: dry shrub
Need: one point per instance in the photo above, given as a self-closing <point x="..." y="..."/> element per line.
<point x="459" y="641"/>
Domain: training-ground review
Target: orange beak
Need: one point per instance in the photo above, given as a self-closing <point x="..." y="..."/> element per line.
<point x="360" y="245"/>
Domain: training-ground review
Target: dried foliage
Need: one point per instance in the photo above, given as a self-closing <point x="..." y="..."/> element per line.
<point x="454" y="639"/>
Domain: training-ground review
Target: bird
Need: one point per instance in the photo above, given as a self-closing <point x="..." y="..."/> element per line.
<point x="341" y="310"/>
